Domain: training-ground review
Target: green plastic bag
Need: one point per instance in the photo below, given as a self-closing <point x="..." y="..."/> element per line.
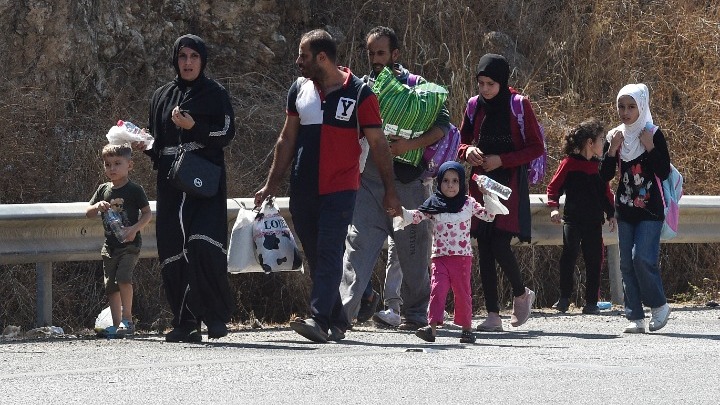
<point x="408" y="111"/>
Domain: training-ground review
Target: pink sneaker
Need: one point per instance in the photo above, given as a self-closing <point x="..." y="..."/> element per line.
<point x="522" y="306"/>
<point x="493" y="323"/>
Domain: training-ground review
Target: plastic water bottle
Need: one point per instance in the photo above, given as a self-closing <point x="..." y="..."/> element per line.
<point x="492" y="186"/>
<point x="129" y="127"/>
<point x="604" y="305"/>
<point x="115" y="223"/>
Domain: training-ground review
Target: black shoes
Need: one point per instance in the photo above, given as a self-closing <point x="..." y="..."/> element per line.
<point x="591" y="310"/>
<point x="336" y="334"/>
<point x="309" y="329"/>
<point x="467" y="337"/>
<point x="562" y="305"/>
<point x="190" y="332"/>
<point x="216" y="330"/>
<point x="368" y="308"/>
<point x="184" y="333"/>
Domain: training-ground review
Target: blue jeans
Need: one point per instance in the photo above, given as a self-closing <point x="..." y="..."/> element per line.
<point x="639" y="255"/>
<point x="321" y="223"/>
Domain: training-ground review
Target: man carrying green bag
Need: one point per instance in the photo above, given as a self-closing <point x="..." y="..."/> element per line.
<point x="407" y="283"/>
<point x="407" y="112"/>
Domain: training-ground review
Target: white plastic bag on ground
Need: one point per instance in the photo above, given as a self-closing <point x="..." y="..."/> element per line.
<point x="104" y="319"/>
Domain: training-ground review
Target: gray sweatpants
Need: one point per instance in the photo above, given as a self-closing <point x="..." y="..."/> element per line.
<point x="366" y="237"/>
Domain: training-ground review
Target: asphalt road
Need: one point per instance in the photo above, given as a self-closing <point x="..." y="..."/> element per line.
<point x="568" y="359"/>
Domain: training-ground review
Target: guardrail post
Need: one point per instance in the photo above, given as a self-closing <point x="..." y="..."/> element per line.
<point x="43" y="272"/>
<point x="616" y="287"/>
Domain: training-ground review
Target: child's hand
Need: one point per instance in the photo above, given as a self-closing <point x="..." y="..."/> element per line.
<point x="102" y="206"/>
<point x="612" y="224"/>
<point x="401" y="219"/>
<point x="482" y="189"/>
<point x="615" y="142"/>
<point x="555" y="216"/>
<point x="646" y="138"/>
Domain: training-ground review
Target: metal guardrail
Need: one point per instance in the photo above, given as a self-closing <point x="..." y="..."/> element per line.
<point x="60" y="232"/>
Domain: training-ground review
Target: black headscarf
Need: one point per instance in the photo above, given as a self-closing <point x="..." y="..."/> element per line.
<point x="201" y="95"/>
<point x="495" y="135"/>
<point x="438" y="203"/>
<point x="193" y="42"/>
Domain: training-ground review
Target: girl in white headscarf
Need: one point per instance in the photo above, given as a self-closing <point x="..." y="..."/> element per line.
<point x="638" y="148"/>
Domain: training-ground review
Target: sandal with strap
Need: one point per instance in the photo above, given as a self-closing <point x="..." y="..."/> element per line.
<point x="467" y="337"/>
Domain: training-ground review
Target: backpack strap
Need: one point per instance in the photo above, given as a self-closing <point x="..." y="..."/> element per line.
<point x="516" y="106"/>
<point x="471" y="108"/>
<point x="662" y="193"/>
<point x="413" y="80"/>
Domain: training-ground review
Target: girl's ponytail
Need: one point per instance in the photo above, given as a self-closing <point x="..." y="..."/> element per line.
<point x="576" y="138"/>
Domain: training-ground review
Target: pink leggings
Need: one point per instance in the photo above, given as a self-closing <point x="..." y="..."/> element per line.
<point x="447" y="272"/>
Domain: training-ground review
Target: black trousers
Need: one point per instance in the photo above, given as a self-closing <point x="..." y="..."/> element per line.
<point x="494" y="246"/>
<point x="321" y="223"/>
<point x="587" y="237"/>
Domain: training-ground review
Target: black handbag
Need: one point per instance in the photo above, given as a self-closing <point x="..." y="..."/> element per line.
<point x="195" y="175"/>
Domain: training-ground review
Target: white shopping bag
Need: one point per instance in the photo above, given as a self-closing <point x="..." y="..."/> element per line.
<point x="241" y="252"/>
<point x="275" y="247"/>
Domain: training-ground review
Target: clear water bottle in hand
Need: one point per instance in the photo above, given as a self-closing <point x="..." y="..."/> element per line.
<point x="129" y="127"/>
<point x="492" y="186"/>
<point x="115" y="223"/>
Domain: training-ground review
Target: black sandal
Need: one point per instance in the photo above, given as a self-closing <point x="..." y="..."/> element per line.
<point x="467" y="337"/>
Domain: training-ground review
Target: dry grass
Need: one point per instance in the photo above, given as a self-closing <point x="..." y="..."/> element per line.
<point x="569" y="57"/>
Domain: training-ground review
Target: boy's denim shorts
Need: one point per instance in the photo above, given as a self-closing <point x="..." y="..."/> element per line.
<point x="118" y="266"/>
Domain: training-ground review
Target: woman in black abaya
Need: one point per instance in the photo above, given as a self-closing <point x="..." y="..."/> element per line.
<point x="195" y="112"/>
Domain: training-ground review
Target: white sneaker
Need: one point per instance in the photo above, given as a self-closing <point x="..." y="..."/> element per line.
<point x="387" y="317"/>
<point x="659" y="317"/>
<point x="635" y="326"/>
<point x="522" y="307"/>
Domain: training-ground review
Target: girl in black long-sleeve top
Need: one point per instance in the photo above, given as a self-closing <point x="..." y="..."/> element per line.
<point x="588" y="201"/>
<point x="639" y="149"/>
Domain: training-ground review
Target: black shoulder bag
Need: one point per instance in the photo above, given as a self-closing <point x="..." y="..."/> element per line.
<point x="193" y="174"/>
